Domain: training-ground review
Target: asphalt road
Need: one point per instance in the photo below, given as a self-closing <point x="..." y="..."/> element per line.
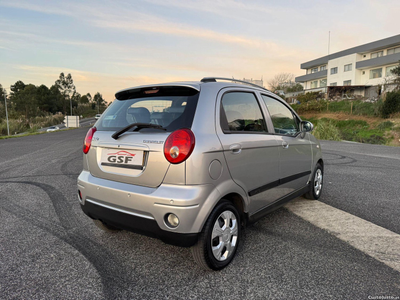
<point x="50" y="250"/>
<point x="364" y="180"/>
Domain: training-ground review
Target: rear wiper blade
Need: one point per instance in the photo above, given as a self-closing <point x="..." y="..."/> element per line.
<point x="138" y="126"/>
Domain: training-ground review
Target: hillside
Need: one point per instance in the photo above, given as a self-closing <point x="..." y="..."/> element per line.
<point x="357" y="128"/>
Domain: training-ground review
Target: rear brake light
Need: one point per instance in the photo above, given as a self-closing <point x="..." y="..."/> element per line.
<point x="154" y="91"/>
<point x="88" y="140"/>
<point x="179" y="145"/>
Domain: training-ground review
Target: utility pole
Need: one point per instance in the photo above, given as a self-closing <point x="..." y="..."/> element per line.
<point x="5" y="104"/>
<point x="329" y="43"/>
<point x="98" y="106"/>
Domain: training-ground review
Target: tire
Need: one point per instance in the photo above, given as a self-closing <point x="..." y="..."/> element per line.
<point x="105" y="227"/>
<point x="316" y="184"/>
<point x="222" y="229"/>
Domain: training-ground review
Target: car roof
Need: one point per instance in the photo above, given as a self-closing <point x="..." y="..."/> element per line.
<point x="210" y="81"/>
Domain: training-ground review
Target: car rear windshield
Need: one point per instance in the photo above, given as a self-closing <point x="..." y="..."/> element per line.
<point x="171" y="107"/>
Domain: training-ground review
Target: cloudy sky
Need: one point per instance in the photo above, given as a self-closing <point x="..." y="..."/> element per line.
<point x="111" y="45"/>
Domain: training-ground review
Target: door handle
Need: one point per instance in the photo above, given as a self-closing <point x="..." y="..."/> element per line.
<point x="235" y="148"/>
<point x="285" y="145"/>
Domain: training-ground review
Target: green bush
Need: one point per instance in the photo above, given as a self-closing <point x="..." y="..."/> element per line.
<point x="360" y="108"/>
<point x="364" y="108"/>
<point x="15" y="126"/>
<point x="313" y="106"/>
<point x="387" y="125"/>
<point x="327" y="130"/>
<point x="352" y="124"/>
<point x="391" y="105"/>
<point x="311" y="96"/>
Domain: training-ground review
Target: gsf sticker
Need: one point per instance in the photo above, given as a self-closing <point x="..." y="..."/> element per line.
<point x="120" y="157"/>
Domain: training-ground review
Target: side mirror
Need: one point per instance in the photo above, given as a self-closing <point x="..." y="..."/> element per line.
<point x="306" y="126"/>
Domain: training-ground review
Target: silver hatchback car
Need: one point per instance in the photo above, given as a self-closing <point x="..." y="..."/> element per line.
<point x="192" y="163"/>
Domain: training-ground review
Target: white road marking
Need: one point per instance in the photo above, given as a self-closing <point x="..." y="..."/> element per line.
<point x="373" y="240"/>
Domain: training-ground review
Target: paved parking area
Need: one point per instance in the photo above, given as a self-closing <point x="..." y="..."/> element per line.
<point x="49" y="249"/>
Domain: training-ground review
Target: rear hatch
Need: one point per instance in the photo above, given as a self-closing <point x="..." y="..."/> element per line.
<point x="137" y="155"/>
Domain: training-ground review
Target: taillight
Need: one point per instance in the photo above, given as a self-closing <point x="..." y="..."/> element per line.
<point x="179" y="145"/>
<point x="88" y="140"/>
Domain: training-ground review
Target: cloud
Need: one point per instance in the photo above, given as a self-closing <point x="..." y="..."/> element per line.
<point x="111" y="45"/>
<point x="133" y="20"/>
<point x="40" y="38"/>
<point x="225" y="8"/>
<point x="47" y="9"/>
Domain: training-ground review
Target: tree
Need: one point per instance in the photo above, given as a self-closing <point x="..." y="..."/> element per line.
<point x="295" y="88"/>
<point x="84" y="99"/>
<point x="25" y="101"/>
<point x="17" y="87"/>
<point x="67" y="89"/>
<point x="391" y="105"/>
<point x="99" y="101"/>
<point x="43" y="98"/>
<point x="56" y="99"/>
<point x="396" y="73"/>
<point x="279" y="80"/>
<point x="75" y="99"/>
<point x="3" y="94"/>
<point x="89" y="97"/>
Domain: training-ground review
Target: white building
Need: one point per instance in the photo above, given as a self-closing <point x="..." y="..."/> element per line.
<point x="357" y="70"/>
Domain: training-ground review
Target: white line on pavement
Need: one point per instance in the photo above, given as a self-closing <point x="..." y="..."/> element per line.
<point x="375" y="241"/>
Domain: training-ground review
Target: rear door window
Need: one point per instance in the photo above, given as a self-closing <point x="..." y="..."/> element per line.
<point x="241" y="113"/>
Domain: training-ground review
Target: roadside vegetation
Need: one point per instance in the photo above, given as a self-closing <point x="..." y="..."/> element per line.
<point x="338" y="127"/>
<point x="31" y="107"/>
<point x="358" y="121"/>
<point x="363" y="121"/>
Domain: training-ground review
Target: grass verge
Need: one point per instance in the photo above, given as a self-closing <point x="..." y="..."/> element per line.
<point x="4" y="137"/>
<point x="374" y="131"/>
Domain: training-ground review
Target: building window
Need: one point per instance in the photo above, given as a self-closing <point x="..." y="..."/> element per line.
<point x="314" y="84"/>
<point x="377" y="54"/>
<point x="323" y="68"/>
<point x="347" y="67"/>
<point x="322" y="83"/>
<point x="376" y="73"/>
<point x="334" y="70"/>
<point x="333" y="84"/>
<point x="314" y="70"/>
<point x="347" y="82"/>
<point x="393" y="50"/>
<point x="389" y="70"/>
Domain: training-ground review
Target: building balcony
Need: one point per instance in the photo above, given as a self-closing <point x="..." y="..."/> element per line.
<point x="312" y="76"/>
<point x="378" y="61"/>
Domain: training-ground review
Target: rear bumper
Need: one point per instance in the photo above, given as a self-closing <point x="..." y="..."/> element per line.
<point x="143" y="209"/>
<point x="137" y="224"/>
